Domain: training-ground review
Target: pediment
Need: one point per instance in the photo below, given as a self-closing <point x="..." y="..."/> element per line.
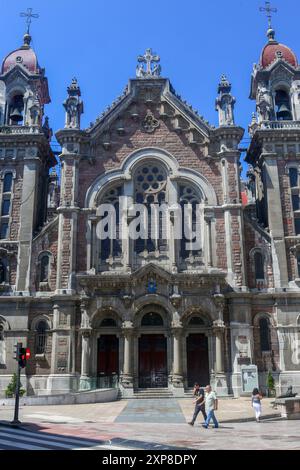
<point x="18" y="72"/>
<point x="151" y="272"/>
<point x="281" y="72"/>
<point x="147" y="104"/>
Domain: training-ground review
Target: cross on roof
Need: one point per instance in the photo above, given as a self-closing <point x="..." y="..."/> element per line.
<point x="148" y="58"/>
<point x="29" y="15"/>
<point x="269" y="10"/>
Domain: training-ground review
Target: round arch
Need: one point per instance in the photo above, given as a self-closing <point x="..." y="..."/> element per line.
<point x="134" y="159"/>
<point x="105" y="313"/>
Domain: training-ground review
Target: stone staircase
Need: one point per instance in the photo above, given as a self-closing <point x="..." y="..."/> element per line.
<point x="151" y="393"/>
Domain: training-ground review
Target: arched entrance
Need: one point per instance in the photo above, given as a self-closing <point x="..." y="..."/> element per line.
<point x="153" y="361"/>
<point x="197" y="357"/>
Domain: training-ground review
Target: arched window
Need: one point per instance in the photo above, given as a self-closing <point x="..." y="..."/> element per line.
<point x="152" y="319"/>
<point x="196" y="321"/>
<point x="3" y="270"/>
<point x="112" y="247"/>
<point x="259" y="266"/>
<point x="150" y="189"/>
<point x="189" y="195"/>
<point x="283" y="106"/>
<point x="264" y="329"/>
<point x="108" y="322"/>
<point x="41" y="337"/>
<point x="16" y="110"/>
<point x="44" y="267"/>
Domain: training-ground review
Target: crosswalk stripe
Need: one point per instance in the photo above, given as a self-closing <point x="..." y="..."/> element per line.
<point x="20" y="445"/>
<point x="40" y="439"/>
<point x="54" y="437"/>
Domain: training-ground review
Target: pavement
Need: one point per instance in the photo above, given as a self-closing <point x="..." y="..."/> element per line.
<point x="157" y="424"/>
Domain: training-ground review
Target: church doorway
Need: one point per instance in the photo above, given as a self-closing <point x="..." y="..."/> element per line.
<point x="107" y="361"/>
<point x="153" y="361"/>
<point x="197" y="359"/>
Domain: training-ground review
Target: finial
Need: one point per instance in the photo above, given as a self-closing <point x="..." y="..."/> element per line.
<point x="151" y="70"/>
<point x="269" y="10"/>
<point x="29" y="15"/>
<point x="224" y="85"/>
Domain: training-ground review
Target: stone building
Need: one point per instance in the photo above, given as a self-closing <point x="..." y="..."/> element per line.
<point x="152" y="312"/>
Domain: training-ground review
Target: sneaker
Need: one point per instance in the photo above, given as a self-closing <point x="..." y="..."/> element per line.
<point x="216" y="427"/>
<point x="191" y="423"/>
<point x="204" y="426"/>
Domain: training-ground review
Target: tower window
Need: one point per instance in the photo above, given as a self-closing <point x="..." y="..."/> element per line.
<point x="259" y="266"/>
<point x="297" y="226"/>
<point x="283" y="106"/>
<point x="3" y="270"/>
<point x="7" y="184"/>
<point x="16" y="110"/>
<point x="298" y="265"/>
<point x="264" y="329"/>
<point x="6" y="205"/>
<point x="4" y="230"/>
<point x="44" y="267"/>
<point x="293" y="173"/>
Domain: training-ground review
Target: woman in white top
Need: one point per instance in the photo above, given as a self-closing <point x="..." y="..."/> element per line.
<point x="256" y="403"/>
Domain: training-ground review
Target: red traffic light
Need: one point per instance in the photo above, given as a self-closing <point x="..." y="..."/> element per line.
<point x="27" y="353"/>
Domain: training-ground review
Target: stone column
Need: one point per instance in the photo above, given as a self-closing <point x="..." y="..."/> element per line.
<point x="219" y="365"/>
<point x="126" y="378"/>
<point x="177" y="376"/>
<point x="85" y="380"/>
<point x="220" y="382"/>
<point x="208" y="219"/>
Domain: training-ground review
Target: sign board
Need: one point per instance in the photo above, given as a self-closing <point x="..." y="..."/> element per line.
<point x="249" y="378"/>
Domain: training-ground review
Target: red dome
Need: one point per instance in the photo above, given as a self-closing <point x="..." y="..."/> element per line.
<point x="273" y="51"/>
<point x="23" y="56"/>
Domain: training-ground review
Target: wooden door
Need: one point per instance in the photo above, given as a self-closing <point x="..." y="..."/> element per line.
<point x="153" y="361"/>
<point x="197" y="360"/>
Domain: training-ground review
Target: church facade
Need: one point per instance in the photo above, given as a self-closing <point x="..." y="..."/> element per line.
<point x="152" y="311"/>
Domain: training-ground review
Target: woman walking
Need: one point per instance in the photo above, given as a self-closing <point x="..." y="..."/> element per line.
<point x="256" y="403"/>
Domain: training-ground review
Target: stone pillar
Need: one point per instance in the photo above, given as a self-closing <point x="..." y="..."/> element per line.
<point x="208" y="218"/>
<point x="126" y="379"/>
<point x="219" y="365"/>
<point x="85" y="379"/>
<point x="177" y="376"/>
<point x="220" y="382"/>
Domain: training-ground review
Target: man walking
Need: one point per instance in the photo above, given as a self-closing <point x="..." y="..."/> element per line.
<point x="211" y="404"/>
<point x="199" y="403"/>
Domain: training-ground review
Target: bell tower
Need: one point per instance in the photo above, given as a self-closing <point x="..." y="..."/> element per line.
<point x="25" y="158"/>
<point x="274" y="149"/>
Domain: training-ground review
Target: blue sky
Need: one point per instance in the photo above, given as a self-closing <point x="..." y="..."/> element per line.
<point x="98" y="42"/>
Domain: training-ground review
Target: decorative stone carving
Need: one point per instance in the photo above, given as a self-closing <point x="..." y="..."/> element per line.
<point x="73" y="106"/>
<point x="225" y="103"/>
<point x="149" y="124"/>
<point x="152" y="69"/>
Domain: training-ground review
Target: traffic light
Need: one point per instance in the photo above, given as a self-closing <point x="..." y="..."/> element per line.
<point x="22" y="354"/>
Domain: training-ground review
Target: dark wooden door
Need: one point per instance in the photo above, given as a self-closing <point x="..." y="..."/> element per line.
<point x="108" y="355"/>
<point x="153" y="361"/>
<point x="197" y="359"/>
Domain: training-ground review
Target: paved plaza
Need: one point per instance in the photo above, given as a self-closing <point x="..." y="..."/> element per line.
<point x="148" y="424"/>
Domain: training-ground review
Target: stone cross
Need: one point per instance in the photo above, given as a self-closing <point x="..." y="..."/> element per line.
<point x="269" y="10"/>
<point x="29" y="15"/>
<point x="149" y="59"/>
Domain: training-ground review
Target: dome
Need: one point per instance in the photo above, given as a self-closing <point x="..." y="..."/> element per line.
<point x="24" y="56"/>
<point x="274" y="50"/>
